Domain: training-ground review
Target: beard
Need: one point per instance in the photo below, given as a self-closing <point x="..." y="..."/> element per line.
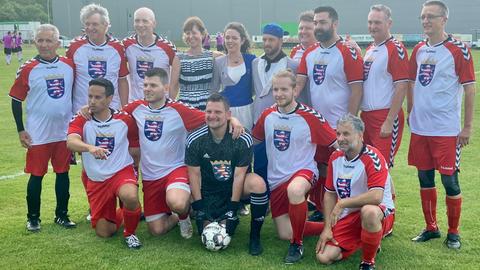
<point x="323" y="36"/>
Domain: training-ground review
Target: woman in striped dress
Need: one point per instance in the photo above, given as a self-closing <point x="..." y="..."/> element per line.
<point x="196" y="65"/>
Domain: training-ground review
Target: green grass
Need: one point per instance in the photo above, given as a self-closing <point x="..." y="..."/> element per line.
<point x="79" y="248"/>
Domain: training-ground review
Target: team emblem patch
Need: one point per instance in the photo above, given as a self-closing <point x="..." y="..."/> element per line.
<point x="97" y="69"/>
<point x="344" y="187"/>
<point x="366" y="68"/>
<point x="319" y="71"/>
<point x="425" y="74"/>
<point x="222" y="170"/>
<point x="106" y="142"/>
<point x="142" y="67"/>
<point x="153" y="129"/>
<point x="281" y="138"/>
<point x="55" y="87"/>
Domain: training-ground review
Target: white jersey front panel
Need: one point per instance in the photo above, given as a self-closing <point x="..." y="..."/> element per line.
<point x="352" y="178"/>
<point x="439" y="72"/>
<point x="92" y="61"/>
<point x="47" y="89"/>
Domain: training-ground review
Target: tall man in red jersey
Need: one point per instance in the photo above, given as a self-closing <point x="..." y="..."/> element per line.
<point x="45" y="82"/>
<point x="334" y="71"/>
<point x="359" y="208"/>
<point x="441" y="68"/>
<point x="291" y="132"/>
<point x="104" y="142"/>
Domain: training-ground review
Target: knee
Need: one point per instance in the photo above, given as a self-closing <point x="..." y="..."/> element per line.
<point x="370" y="216"/>
<point x="295" y="192"/>
<point x="255" y="184"/>
<point x="426" y="178"/>
<point x="284" y="235"/>
<point x="103" y="232"/>
<point x="179" y="206"/>
<point x="324" y="258"/>
<point x="130" y="200"/>
<point x="156" y="230"/>
<point x="450" y="183"/>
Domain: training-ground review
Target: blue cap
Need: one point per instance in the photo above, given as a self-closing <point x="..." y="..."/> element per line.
<point x="273" y="29"/>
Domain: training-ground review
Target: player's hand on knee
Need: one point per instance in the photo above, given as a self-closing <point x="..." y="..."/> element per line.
<point x="325" y="237"/>
<point x="25" y="139"/>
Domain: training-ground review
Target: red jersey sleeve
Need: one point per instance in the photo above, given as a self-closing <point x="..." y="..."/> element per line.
<point x="20" y="87"/>
<point x="352" y="63"/>
<point x="463" y="61"/>
<point x="321" y="132"/>
<point x="169" y="48"/>
<point x="294" y="51"/>
<point x="375" y="167"/>
<point x="412" y="69"/>
<point x="397" y="61"/>
<point x="131" y="106"/>
<point x="258" y="131"/>
<point x="76" y="125"/>
<point x="329" y="187"/>
<point x="192" y="118"/>
<point x="132" y="135"/>
<point x="123" y="58"/>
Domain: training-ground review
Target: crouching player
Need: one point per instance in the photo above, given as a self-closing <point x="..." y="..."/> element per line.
<point x="217" y="168"/>
<point x="104" y="142"/>
<point x="292" y="132"/>
<point x="358" y="203"/>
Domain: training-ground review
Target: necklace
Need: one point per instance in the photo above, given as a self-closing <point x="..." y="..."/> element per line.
<point x="235" y="61"/>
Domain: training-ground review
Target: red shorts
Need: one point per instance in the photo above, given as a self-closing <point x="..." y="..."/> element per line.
<point x="102" y="196"/>
<point x="39" y="155"/>
<point x="322" y="154"/>
<point x="434" y="152"/>
<point x="373" y="123"/>
<point x="154" y="192"/>
<point x="348" y="230"/>
<point x="279" y="196"/>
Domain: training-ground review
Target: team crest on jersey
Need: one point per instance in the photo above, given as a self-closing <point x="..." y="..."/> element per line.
<point x="97" y="68"/>
<point x="319" y="71"/>
<point x="344" y="187"/>
<point x="426" y="71"/>
<point x="222" y="170"/>
<point x="153" y="128"/>
<point x="106" y="142"/>
<point x="281" y="137"/>
<point x="366" y="67"/>
<point x="55" y="86"/>
<point x="143" y="64"/>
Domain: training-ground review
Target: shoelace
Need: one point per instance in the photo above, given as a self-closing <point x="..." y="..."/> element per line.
<point x="132" y="240"/>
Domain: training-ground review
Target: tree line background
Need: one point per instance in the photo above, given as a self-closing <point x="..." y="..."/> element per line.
<point x="25" y="10"/>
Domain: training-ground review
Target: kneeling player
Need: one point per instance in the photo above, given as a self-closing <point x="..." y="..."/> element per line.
<point x="217" y="168"/>
<point x="292" y="132"/>
<point x="358" y="203"/>
<point x="104" y="143"/>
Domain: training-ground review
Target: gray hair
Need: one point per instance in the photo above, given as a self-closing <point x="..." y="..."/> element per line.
<point x="92" y="9"/>
<point x="47" y="27"/>
<point x="306" y="16"/>
<point x="353" y="120"/>
<point x="440" y="4"/>
<point x="150" y="12"/>
<point x="382" y="8"/>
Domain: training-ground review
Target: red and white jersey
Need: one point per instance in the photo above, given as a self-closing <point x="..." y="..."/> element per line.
<point x="163" y="133"/>
<point x="291" y="140"/>
<point x="330" y="71"/>
<point x="94" y="61"/>
<point x="351" y="178"/>
<point x="47" y="88"/>
<point x="439" y="72"/>
<point x="116" y="135"/>
<point x="140" y="59"/>
<point x="383" y="65"/>
<point x="297" y="52"/>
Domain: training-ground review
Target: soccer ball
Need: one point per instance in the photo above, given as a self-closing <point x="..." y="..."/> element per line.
<point x="215" y="237"/>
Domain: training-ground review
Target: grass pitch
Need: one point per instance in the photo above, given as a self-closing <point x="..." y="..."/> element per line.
<point x="57" y="248"/>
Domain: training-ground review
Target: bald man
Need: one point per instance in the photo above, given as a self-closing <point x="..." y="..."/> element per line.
<point x="145" y="49"/>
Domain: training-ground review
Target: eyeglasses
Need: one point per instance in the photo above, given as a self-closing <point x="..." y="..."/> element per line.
<point x="429" y="17"/>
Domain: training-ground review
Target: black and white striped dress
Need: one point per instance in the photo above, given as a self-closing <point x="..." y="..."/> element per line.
<point x="196" y="78"/>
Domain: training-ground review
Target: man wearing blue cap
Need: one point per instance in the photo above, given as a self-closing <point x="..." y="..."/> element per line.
<point x="263" y="68"/>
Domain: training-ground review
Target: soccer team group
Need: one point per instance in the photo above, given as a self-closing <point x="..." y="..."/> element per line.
<point x="306" y="144"/>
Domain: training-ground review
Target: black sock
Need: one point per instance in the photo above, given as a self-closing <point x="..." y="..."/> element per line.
<point x="62" y="185"/>
<point x="34" y="190"/>
<point x="258" y="208"/>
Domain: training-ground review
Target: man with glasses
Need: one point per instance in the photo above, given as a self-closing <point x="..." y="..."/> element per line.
<point x="441" y="69"/>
